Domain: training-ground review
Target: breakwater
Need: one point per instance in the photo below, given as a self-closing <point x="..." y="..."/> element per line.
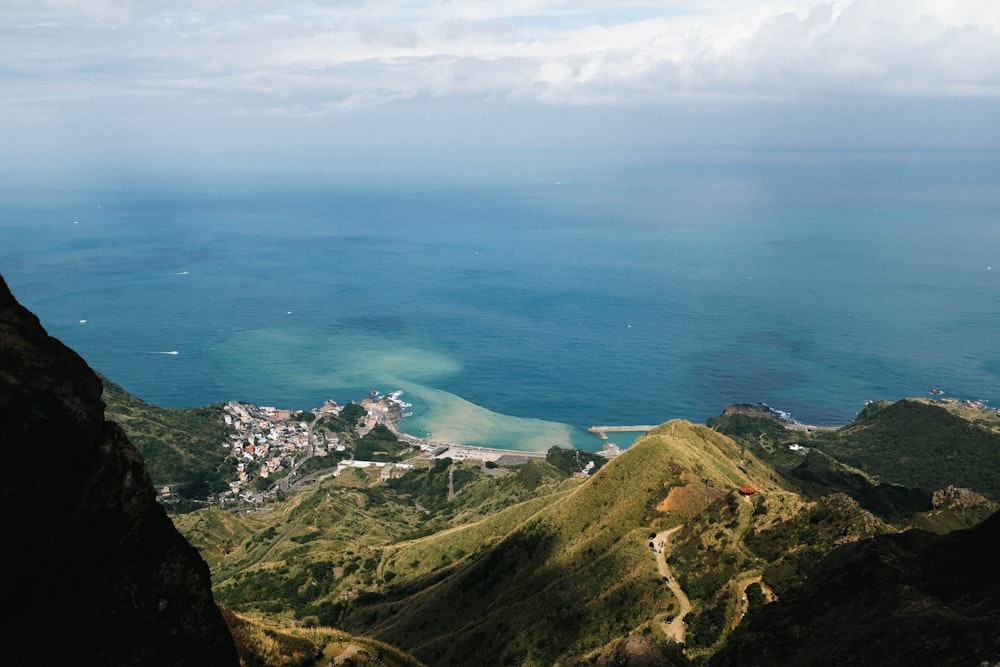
<point x="602" y="431"/>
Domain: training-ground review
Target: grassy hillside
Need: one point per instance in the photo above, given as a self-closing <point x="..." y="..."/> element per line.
<point x="264" y="644"/>
<point x="570" y="578"/>
<point x="890" y="458"/>
<point x="820" y="474"/>
<point x="921" y="443"/>
<point x="533" y="568"/>
<point x="182" y="447"/>
<point x="303" y="558"/>
<point x="536" y="568"/>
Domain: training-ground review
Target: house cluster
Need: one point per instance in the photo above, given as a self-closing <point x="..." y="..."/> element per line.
<point x="262" y="439"/>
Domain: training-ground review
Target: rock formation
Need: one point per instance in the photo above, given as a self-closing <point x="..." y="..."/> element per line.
<point x="911" y="598"/>
<point x="94" y="569"/>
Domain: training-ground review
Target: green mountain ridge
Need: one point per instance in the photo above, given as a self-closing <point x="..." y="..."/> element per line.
<point x="580" y="567"/>
<point x="922" y="443"/>
<point x="538" y="568"/>
<point x="904" y="447"/>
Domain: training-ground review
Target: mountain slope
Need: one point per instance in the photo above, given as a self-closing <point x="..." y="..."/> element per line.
<point x="920" y="443"/>
<point x="532" y="568"/>
<point x="890" y="458"/>
<point x="911" y="598"/>
<point x="181" y="446"/>
<point x="95" y="569"/>
<point x="573" y="577"/>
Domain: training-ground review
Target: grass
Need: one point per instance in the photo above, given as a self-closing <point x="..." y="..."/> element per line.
<point x="576" y="573"/>
<point x="262" y="643"/>
<point x="534" y="568"/>
<point x="530" y="568"/>
<point x="918" y="442"/>
<point x="182" y="447"/>
<point x="917" y="445"/>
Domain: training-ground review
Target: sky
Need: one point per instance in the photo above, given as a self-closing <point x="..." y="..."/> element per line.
<point x="226" y="84"/>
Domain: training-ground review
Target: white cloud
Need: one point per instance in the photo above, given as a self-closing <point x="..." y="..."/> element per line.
<point x="311" y="57"/>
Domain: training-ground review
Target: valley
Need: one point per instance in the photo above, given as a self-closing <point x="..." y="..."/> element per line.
<point x="679" y="541"/>
<point x="738" y="541"/>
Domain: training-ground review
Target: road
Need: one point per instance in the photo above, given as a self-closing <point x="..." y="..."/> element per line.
<point x="675" y="630"/>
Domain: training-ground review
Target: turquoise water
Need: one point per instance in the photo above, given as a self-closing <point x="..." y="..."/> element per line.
<point x="516" y="312"/>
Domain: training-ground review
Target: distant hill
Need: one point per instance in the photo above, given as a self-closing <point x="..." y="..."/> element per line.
<point x="891" y="457"/>
<point x="533" y="567"/>
<point x="537" y="568"/>
<point x="922" y="443"/>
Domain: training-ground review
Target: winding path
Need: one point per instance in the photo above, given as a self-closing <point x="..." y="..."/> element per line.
<point x="741" y="596"/>
<point x="675" y="629"/>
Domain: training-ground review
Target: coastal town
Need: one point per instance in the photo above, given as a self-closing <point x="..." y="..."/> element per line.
<point x="271" y="444"/>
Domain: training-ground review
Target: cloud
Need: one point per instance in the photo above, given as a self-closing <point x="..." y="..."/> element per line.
<point x="317" y="57"/>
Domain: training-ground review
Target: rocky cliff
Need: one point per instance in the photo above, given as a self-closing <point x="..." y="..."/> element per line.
<point x="94" y="570"/>
<point x="911" y="598"/>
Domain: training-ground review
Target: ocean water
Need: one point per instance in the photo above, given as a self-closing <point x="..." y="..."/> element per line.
<point x="517" y="311"/>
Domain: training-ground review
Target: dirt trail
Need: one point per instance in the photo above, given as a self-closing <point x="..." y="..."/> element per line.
<point x="741" y="596"/>
<point x="675" y="629"/>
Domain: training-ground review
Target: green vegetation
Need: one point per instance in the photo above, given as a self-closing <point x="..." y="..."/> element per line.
<point x="300" y="560"/>
<point x="567" y="579"/>
<point x="317" y="463"/>
<point x="534" y="567"/>
<point x="572" y="461"/>
<point x="921" y="443"/>
<point x="791" y="547"/>
<point x="264" y="644"/>
<point x="820" y="474"/>
<point x="182" y="447"/>
<point x="756" y="599"/>
<point x="380" y="444"/>
<point x="889" y="458"/>
<point x="345" y="422"/>
<point x="428" y="488"/>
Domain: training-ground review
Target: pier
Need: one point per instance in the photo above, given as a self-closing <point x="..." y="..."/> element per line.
<point x="602" y="431"/>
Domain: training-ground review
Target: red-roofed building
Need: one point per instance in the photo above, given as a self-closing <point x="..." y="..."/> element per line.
<point x="747" y="490"/>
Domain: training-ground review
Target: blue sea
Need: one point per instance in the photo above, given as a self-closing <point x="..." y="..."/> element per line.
<point x="516" y="309"/>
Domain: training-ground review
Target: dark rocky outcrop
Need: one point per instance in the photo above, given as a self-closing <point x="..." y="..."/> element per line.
<point x="910" y="598"/>
<point x="757" y="410"/>
<point x="95" y="572"/>
<point x="635" y="651"/>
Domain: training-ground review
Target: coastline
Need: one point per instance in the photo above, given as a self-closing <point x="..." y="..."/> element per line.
<point x="265" y="441"/>
<point x="434" y="449"/>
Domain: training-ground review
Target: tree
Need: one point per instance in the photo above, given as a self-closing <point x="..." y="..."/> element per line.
<point x="351" y="413"/>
